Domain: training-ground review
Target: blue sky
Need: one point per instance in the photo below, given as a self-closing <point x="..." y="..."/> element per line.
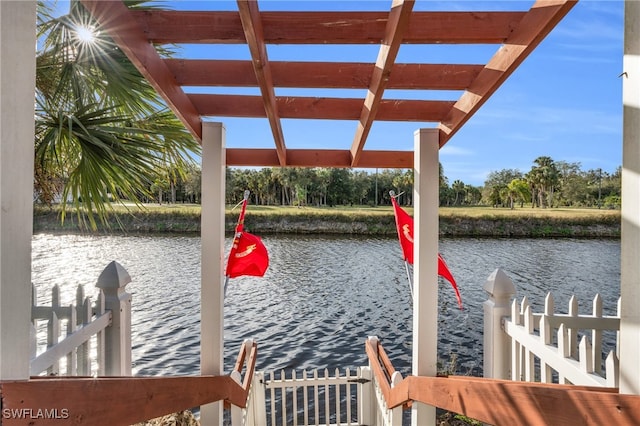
<point x="564" y="101"/>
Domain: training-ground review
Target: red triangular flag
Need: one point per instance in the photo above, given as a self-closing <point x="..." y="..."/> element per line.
<point x="248" y="256"/>
<point x="443" y="271"/>
<point x="404" y="225"/>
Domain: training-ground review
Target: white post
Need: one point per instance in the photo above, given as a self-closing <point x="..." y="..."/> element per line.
<point x="113" y="281"/>
<point x="17" y="94"/>
<point x="366" y="397"/>
<point x="630" y="227"/>
<point x="212" y="251"/>
<point x="425" y="278"/>
<point x="496" y="343"/>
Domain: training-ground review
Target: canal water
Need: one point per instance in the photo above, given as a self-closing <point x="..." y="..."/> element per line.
<point x="322" y="295"/>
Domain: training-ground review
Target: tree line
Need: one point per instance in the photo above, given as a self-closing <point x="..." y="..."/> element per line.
<point x="548" y="183"/>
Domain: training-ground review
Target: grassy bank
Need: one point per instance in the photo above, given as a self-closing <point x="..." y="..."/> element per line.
<point x="357" y="220"/>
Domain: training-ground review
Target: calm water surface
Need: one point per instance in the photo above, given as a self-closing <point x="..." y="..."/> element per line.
<point x="322" y="296"/>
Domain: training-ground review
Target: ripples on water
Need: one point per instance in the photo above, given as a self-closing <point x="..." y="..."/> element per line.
<point x="322" y="296"/>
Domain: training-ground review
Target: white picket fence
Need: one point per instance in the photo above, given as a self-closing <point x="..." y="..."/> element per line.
<point x="310" y="398"/>
<point x="84" y="339"/>
<point x="72" y="355"/>
<point x="550" y="347"/>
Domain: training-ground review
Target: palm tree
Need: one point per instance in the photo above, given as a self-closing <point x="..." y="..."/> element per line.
<point x="102" y="132"/>
<point x="544" y="178"/>
<point x="518" y="189"/>
<point x="458" y="188"/>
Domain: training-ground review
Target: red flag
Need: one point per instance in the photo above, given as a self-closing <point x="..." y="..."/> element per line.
<point x="248" y="255"/>
<point x="404" y="225"/>
<point x="443" y="271"/>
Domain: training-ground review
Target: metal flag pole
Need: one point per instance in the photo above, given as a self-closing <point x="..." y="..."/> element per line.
<point x="410" y="277"/>
<point x="236" y="236"/>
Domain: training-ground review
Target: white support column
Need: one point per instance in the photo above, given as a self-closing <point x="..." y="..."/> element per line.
<point x="17" y="94"/>
<point x="425" y="260"/>
<point x="630" y="241"/>
<point x="212" y="251"/>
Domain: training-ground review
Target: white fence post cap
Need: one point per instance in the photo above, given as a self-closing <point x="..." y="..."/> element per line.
<point x="499" y="284"/>
<point x="114" y="276"/>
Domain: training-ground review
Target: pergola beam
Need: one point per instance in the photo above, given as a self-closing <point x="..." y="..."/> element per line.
<point x="394" y="32"/>
<point x="320" y="108"/>
<point x="534" y="27"/>
<point x="166" y="27"/>
<point x="256" y="157"/>
<point x="325" y="75"/>
<point x="254" y="35"/>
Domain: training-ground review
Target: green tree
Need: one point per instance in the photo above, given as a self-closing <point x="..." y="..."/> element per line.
<point x="518" y="191"/>
<point x="193" y="184"/>
<point x="339" y="189"/>
<point x="403" y="184"/>
<point x="458" y="188"/>
<point x="544" y="178"/>
<point x="361" y="185"/>
<point x="495" y="186"/>
<point x="473" y="194"/>
<point x="572" y="185"/>
<point x="101" y="131"/>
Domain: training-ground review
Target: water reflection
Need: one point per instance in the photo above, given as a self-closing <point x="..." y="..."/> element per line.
<point x="322" y="296"/>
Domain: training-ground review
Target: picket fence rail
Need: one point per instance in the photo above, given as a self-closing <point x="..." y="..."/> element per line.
<point x="310" y="397"/>
<point x="85" y="338"/>
<point x="80" y="331"/>
<point x="561" y="355"/>
<point x="547" y="347"/>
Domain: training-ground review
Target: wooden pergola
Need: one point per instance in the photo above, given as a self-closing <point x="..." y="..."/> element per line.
<point x="515" y="34"/>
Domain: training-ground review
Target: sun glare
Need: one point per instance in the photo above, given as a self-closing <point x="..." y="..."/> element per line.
<point x="86" y="35"/>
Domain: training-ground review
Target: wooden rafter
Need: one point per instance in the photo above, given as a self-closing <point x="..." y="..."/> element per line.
<point x="114" y="16"/>
<point x="394" y="32"/>
<point x="533" y="28"/>
<point x="328" y="27"/>
<point x="253" y="32"/>
<point x="320" y="108"/>
<point x="255" y="157"/>
<point x="327" y="75"/>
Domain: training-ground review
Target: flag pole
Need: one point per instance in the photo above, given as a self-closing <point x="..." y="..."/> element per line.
<point x="406" y="266"/>
<point x="236" y="235"/>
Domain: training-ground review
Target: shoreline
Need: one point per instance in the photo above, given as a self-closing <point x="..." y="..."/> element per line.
<point x="335" y="222"/>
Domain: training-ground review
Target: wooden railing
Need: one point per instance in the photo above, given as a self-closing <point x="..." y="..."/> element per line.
<point x="504" y="402"/>
<point x="108" y="401"/>
<point x="385" y="378"/>
<point x="246" y="361"/>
